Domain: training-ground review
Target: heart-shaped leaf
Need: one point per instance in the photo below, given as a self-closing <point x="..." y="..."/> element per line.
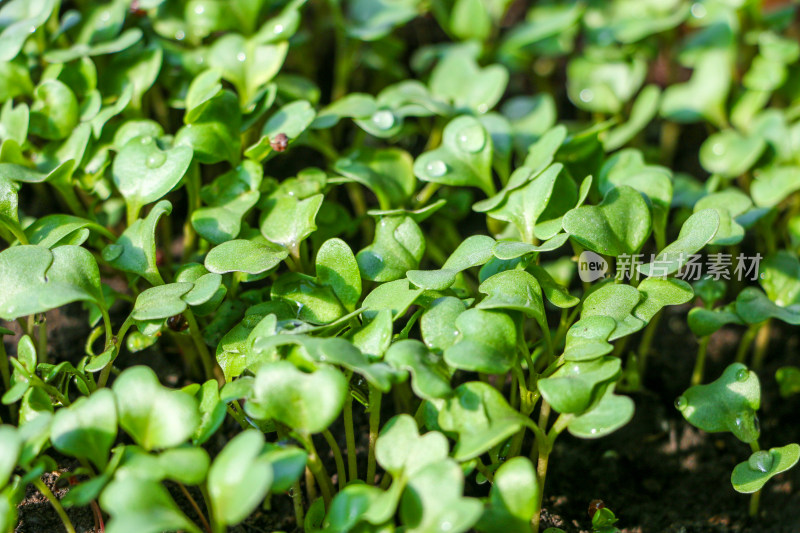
<point x="308" y="403"/>
<point x="291" y="120"/>
<point x="577" y="386"/>
<point x="242" y="255"/>
<point x="618" y="302"/>
<point x="780" y="278"/>
<point x="135" y="250"/>
<point x="763" y="465"/>
<point x="161" y="302"/>
<point x="728" y="403"/>
<point x="142" y="505"/>
<point x="486" y="342"/>
<point x="433" y="500"/>
<point x="337" y="268"/>
<point x="753" y="306"/>
<point x="155" y="416"/>
<point x="144" y="173"/>
<point x="239" y="478"/>
<point x="704" y="95"/>
<point x="247" y="64"/>
<point x="512" y="498"/>
<point x="773" y="185"/>
<point x="620" y="224"/>
<point x="459" y="79"/>
<point x="429" y="374"/>
<point x="386" y="172"/>
<point x="729" y="153"/>
<point x="588" y="338"/>
<point x="729" y="204"/>
<point x="398" y="247"/>
<point x="704" y="322"/>
<point x="438" y="323"/>
<point x="610" y="414"/>
<point x="87" y="428"/>
<point x="698" y="230"/>
<point x="37" y="279"/>
<point x="464" y="159"/>
<point x="482" y="418"/>
<point x="516" y="290"/>
<point x="288" y="221"/>
<point x="474" y="251"/>
<point x="660" y="292"/>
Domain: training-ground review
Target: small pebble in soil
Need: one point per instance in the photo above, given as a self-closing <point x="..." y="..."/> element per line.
<point x="177" y="323"/>
<point x="594" y="506"/>
<point x="279" y="142"/>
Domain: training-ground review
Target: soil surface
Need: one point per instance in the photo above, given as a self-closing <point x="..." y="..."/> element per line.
<point x="658" y="473"/>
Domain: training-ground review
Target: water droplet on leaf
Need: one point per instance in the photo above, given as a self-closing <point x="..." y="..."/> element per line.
<point x="241" y="56"/>
<point x="681" y="402"/>
<point x="436" y="168"/>
<point x="742" y="375"/>
<point x="472" y="139"/>
<point x="278" y="28"/>
<point x="761" y="461"/>
<point x="383" y="119"/>
<point x="156" y="159"/>
<point x="718" y="148"/>
<point x="586" y="95"/>
<point x="179" y="35"/>
<point x="199" y="10"/>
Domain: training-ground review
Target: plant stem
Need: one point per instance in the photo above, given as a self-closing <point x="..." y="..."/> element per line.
<point x="318" y="469"/>
<point x="62" y="514"/>
<point x="337" y="455"/>
<point x="41" y="347"/>
<point x="541" y="474"/>
<point x="210" y="366"/>
<point x="762" y="343"/>
<point x="374" y="427"/>
<point x="350" y="439"/>
<point x="196" y="507"/>
<point x="746" y="342"/>
<point x="644" y="345"/>
<point x="297" y="502"/>
<point x="123" y="329"/>
<point x="755" y="498"/>
<point x="700" y="363"/>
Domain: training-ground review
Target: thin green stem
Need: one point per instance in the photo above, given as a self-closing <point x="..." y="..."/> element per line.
<point x="210" y="366"/>
<point x="297" y="502"/>
<point x="700" y="363"/>
<point x="337" y="456"/>
<point x="644" y="345"/>
<point x="120" y="336"/>
<point x="761" y="345"/>
<point x="755" y="498"/>
<point x="318" y="469"/>
<point x="374" y="426"/>
<point x="746" y="342"/>
<point x="41" y="348"/>
<point x="62" y="514"/>
<point x="196" y="507"/>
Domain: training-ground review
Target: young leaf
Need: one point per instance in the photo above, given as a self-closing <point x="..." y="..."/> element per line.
<point x="239" y="478"/>
<point x="308" y="403"/>
<point x="155" y="416"/>
<point x="728" y="403"/>
<point x="620" y="224"/>
<point x="87" y="428"/>
<point x="751" y="475"/>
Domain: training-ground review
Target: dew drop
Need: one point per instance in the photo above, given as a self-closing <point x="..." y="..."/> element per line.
<point x="383" y="119"/>
<point x="699" y="10"/>
<point x="718" y="148"/>
<point x="483" y="108"/>
<point x="241" y="56"/>
<point x="180" y="35"/>
<point x="278" y="28"/>
<point x="760" y="461"/>
<point x="106" y="16"/>
<point x="742" y="375"/>
<point x="146" y="139"/>
<point x="446" y="526"/>
<point x="32" y="29"/>
<point x="199" y="10"/>
<point x="436" y="168"/>
<point x="681" y="402"/>
<point x="471" y="139"/>
<point x="586" y="95"/>
<point x="156" y="159"/>
<point x="593" y="431"/>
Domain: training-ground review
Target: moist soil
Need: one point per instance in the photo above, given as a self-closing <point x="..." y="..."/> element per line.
<point x="658" y="473"/>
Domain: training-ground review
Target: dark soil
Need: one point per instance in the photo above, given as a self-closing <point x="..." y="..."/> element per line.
<point x="658" y="473"/>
